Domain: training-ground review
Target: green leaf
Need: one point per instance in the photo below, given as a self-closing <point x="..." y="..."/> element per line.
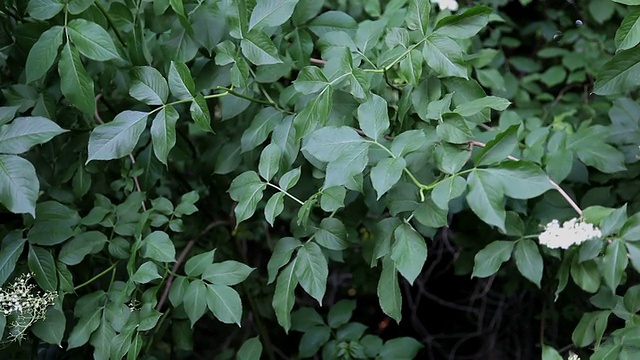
<point x="444" y="56"/>
<point x="465" y="25"/>
<point x="149" y="86"/>
<point x="549" y="353"/>
<point x="312" y="340"/>
<point x="262" y="125"/>
<point x="163" y="132"/>
<point x="43" y="53"/>
<point x="454" y="130"/>
<point x="281" y="255"/>
<point x="386" y="174"/>
<point x="274" y="207"/>
<point x="314" y="114"/>
<point x="586" y="275"/>
<point x="43" y="266"/>
<point x="157" y="246"/>
<point x="18" y="185"/>
<point x="25" y="132"/>
<point x="411" y="67"/>
<point x="485" y="198"/>
<point x="589" y="144"/>
<point x="197" y="264"/>
<point x="178" y="289"/>
<point x="51" y="329"/>
<point x="631" y="229"/>
<point x="283" y="297"/>
<point x="200" y="113"/>
<point x="408" y="251"/>
<point x="289" y="179"/>
<point x="7" y="113"/>
<point x="258" y="48"/>
<point x="429" y="214"/>
<point x="49" y="232"/>
<point x="117" y="138"/>
<point x="92" y="40"/>
<point x="332" y="234"/>
<point x="146" y="273"/>
<point x="10" y="251"/>
<point x="195" y="300"/>
<point x="75" y="83"/>
<point x="330" y="143"/>
<point x="614" y="263"/>
<point x="447" y="190"/>
<point x="475" y="106"/>
<point x="312" y="270"/>
<point x="332" y="21"/>
<point x="224" y="303"/>
<point x="521" y="179"/>
<point x="389" y="294"/>
<point x="83" y="244"/>
<point x="269" y="161"/>
<point x="180" y="81"/>
<point x="87" y="324"/>
<point x="250" y="350"/>
<point x="332" y="198"/>
<point x="373" y="117"/>
<point x="418" y="16"/>
<point x="408" y="142"/>
<point x="619" y="74"/>
<point x="340" y="313"/>
<point x="601" y="10"/>
<point x="499" y="148"/>
<point x="528" y="260"/>
<point x="310" y="80"/>
<point x="247" y="189"/>
<point x="271" y="13"/>
<point x="76" y="7"/>
<point x="400" y="348"/>
<point x="44" y="9"/>
<point x="488" y="260"/>
<point x="227" y="272"/>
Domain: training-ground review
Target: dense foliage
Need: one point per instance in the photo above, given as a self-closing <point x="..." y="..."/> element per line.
<point x="340" y="179"/>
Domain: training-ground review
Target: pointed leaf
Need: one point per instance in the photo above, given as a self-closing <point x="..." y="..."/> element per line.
<point x="195" y="300"/>
<point x="43" y="266"/>
<point x="247" y="189"/>
<point x="444" y="56"/>
<point x="180" y="81"/>
<point x="149" y="86"/>
<point x="283" y="297"/>
<point x="43" y="53"/>
<point x="418" y="16"/>
<point x="528" y="260"/>
<point x="389" y="293"/>
<point x="409" y="252"/>
<point x="258" y="48"/>
<point x="619" y="74"/>
<point x="19" y="185"/>
<point x="227" y="272"/>
<point x="200" y="113"/>
<point x="465" y="25"/>
<point x="25" y="132"/>
<point x="163" y="132"/>
<point x="117" y="138"/>
<point x="271" y="13"/>
<point x="312" y="270"/>
<point x="386" y="174"/>
<point x="224" y="303"/>
<point x="250" y="350"/>
<point x="75" y="83"/>
<point x="499" y="148"/>
<point x="373" y="117"/>
<point x="269" y="161"/>
<point x="488" y="260"/>
<point x="485" y="198"/>
<point x="92" y="40"/>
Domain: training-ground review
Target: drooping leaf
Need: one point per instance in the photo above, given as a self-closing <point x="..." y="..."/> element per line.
<point x="628" y="34"/>
<point x="389" y="293"/>
<point x="43" y="266"/>
<point x="373" y="117"/>
<point x="196" y="299"/>
<point x="19" y="185"/>
<point x="10" y="251"/>
<point x="408" y="251"/>
<point x="283" y="298"/>
<point x="444" y="56"/>
<point x="315" y="113"/>
<point x="312" y="270"/>
<point x="250" y="350"/>
<point x="418" y="16"/>
<point x="485" y="198"/>
<point x="75" y="83"/>
<point x="386" y="174"/>
<point x="311" y="80"/>
<point x="247" y="189"/>
<point x="224" y="303"/>
<point x="159" y="247"/>
<point x="227" y="272"/>
<point x="528" y="260"/>
<point x="614" y="263"/>
<point x="200" y="113"/>
<point x="499" y="148"/>
<point x="118" y="137"/>
<point x="163" y="132"/>
<point x="43" y="53"/>
<point x="269" y="161"/>
<point x="331" y="234"/>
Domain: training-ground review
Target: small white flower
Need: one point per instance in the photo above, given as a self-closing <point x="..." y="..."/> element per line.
<point x="573" y="356"/>
<point x="572" y="232"/>
<point x="447" y="4"/>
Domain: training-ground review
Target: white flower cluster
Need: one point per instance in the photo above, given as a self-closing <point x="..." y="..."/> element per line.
<point x="572" y="232"/>
<point x="573" y="356"/>
<point x="447" y="4"/>
<point x="24" y="305"/>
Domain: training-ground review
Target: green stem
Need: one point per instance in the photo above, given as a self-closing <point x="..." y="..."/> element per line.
<point x="405" y="53"/>
<point x="286" y="193"/>
<point x="110" y="22"/>
<point x="104" y="272"/>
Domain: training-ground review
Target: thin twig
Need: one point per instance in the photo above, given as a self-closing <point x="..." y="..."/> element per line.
<point x="553" y="183"/>
<point x="181" y="258"/>
<point x="317" y="61"/>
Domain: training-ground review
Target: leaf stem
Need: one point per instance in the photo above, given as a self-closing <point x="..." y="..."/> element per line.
<point x="286" y="193"/>
<point x="104" y="272"/>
